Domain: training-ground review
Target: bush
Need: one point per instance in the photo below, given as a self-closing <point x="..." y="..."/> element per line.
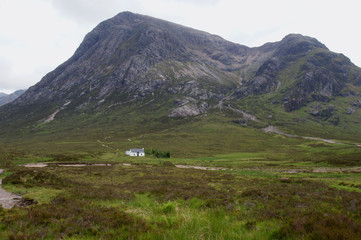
<point x="159" y="154"/>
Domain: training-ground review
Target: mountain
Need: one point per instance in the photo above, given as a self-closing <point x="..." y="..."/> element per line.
<point x="135" y="74"/>
<point x="6" y="98"/>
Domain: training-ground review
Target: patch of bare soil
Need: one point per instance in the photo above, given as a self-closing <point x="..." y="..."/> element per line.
<point x="341" y="170"/>
<point x="201" y="167"/>
<point x="325" y="170"/>
<point x="35" y="165"/>
<point x="42" y="165"/>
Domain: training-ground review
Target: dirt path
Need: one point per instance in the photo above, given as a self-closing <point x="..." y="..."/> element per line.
<point x="43" y="165"/>
<point x="209" y="168"/>
<point x="8" y="200"/>
<point x="273" y="129"/>
<point x="105" y="145"/>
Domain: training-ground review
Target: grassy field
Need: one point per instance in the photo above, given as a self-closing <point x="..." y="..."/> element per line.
<point x="258" y="185"/>
<point x="310" y="194"/>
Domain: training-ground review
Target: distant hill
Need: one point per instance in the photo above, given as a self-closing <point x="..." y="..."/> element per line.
<point x="134" y="74"/>
<point x="7" y="98"/>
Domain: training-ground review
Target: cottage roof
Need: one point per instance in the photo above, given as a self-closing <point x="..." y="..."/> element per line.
<point x="135" y="150"/>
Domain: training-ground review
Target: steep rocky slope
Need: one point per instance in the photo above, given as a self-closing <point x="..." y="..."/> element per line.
<point x="133" y="59"/>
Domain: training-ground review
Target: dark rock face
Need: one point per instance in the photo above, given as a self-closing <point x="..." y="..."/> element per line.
<point x="322" y="77"/>
<point x="265" y="79"/>
<point x="325" y="113"/>
<point x="317" y="84"/>
<point x="131" y="57"/>
<point x="321" y="74"/>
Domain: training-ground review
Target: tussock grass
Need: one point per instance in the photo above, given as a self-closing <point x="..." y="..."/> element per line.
<point x="158" y="201"/>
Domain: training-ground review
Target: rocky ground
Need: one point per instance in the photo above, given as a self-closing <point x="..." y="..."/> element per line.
<point x="8" y="200"/>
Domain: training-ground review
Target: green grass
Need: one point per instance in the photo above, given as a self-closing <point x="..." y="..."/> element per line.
<point x="256" y="198"/>
<point x="40" y="194"/>
<point x="268" y="188"/>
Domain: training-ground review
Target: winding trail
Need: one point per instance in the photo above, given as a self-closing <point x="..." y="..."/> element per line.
<point x="8" y="200"/>
<point x="273" y="129"/>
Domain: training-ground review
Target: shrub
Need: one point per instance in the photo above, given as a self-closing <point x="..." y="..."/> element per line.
<point x="159" y="154"/>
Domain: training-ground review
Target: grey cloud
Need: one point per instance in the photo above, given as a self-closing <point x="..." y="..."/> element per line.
<point x="10" y="81"/>
<point x="5" y="76"/>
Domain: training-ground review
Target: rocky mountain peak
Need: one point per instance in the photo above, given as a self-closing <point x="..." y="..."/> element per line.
<point x="119" y="53"/>
<point x="297" y="38"/>
<point x="133" y="58"/>
<point x="295" y="44"/>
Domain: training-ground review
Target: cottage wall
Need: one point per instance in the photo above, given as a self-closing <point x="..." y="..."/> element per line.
<point x="139" y="153"/>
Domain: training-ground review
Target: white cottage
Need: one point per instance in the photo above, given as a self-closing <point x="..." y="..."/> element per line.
<point x="134" y="152"/>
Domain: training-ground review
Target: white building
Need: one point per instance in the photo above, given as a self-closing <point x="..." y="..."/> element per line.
<point x="134" y="152"/>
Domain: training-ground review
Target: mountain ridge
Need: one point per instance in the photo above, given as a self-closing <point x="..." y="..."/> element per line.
<point x="132" y="59"/>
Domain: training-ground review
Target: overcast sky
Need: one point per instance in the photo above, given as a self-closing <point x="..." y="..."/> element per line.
<point x="38" y="35"/>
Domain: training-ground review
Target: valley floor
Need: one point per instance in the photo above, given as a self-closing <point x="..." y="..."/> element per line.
<point x="235" y="196"/>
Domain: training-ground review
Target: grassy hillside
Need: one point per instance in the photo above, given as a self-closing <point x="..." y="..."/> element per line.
<point x="258" y="185"/>
<point x="203" y="136"/>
